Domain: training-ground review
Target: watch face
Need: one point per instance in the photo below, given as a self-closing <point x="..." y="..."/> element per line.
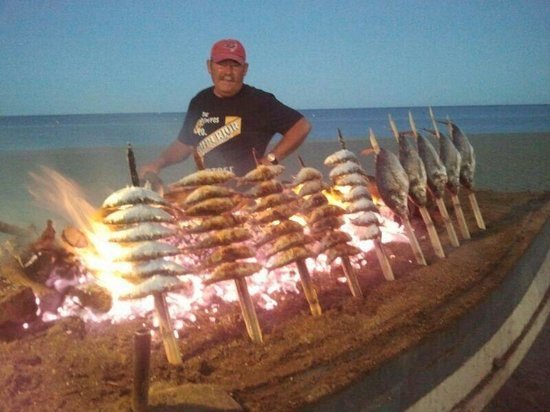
<point x="272" y="159"/>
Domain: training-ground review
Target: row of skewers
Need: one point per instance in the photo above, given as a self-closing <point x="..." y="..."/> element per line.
<point x="232" y="235"/>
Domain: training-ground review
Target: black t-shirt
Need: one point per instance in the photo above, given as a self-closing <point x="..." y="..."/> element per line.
<point x="225" y="130"/>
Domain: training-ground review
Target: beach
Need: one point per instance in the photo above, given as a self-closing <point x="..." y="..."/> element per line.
<point x="350" y="339"/>
<point x="505" y="163"/>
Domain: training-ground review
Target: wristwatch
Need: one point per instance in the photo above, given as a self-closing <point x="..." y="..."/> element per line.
<point x="271" y="158"/>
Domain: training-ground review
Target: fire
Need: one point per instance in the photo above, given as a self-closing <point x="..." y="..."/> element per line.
<point x="99" y="261"/>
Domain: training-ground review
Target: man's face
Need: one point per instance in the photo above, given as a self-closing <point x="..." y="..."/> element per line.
<point x="227" y="76"/>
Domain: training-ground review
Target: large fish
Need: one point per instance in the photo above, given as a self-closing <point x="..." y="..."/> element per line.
<point x="391" y="179"/>
<point x="437" y="177"/>
<point x="449" y="155"/>
<point x="413" y="165"/>
<point x="468" y="161"/>
<point x="393" y="186"/>
<point x="435" y="169"/>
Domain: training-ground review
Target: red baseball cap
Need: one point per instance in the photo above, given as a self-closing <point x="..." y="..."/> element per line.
<point x="228" y="49"/>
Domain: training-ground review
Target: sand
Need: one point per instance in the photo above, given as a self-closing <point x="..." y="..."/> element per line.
<point x="505" y="162"/>
<point x="71" y="365"/>
<point x="304" y="358"/>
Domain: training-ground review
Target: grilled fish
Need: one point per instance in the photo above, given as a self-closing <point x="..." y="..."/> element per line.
<point x="413" y="165"/>
<point x="132" y="195"/>
<point x="391" y="179"/>
<point x="206" y="177"/>
<point x="138" y="214"/>
<point x="466" y="150"/>
<point x="340" y="156"/>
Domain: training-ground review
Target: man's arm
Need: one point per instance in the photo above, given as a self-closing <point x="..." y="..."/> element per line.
<point x="175" y="153"/>
<point x="291" y="140"/>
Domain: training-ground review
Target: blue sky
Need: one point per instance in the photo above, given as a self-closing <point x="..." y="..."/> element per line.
<point x="60" y="57"/>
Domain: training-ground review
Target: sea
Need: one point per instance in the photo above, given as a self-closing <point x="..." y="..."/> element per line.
<point x="159" y="129"/>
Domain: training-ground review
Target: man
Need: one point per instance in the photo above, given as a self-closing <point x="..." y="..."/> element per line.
<point x="231" y="122"/>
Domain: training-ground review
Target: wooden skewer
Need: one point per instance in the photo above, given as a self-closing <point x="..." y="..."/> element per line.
<point x="351" y="276"/>
<point x="142" y="360"/>
<point x="464" y="231"/>
<point x="415" y="246"/>
<point x="477" y="213"/>
<point x="309" y="290"/>
<point x="432" y="232"/>
<point x="248" y="311"/>
<point x="447" y="222"/>
<point x="383" y="260"/>
<point x="166" y="331"/>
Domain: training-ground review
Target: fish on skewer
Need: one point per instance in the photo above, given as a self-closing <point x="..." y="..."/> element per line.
<point x="284" y="241"/>
<point x="451" y="158"/>
<point x="324" y="224"/>
<point x="393" y="186"/>
<point x="218" y="229"/>
<point x="349" y="177"/>
<point x="467" y="167"/>
<point x="414" y="167"/>
<point x="437" y="178"/>
<point x="140" y="225"/>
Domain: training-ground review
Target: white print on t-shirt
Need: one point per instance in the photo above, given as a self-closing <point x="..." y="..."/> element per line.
<point x="231" y="129"/>
<point x="204" y="119"/>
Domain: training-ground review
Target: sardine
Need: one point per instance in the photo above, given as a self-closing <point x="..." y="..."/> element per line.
<point x="339" y="250"/>
<point x="357" y="193"/>
<point x="155" y="284"/>
<point x="268" y="187"/>
<point x="222" y="237"/>
<point x="341" y="156"/>
<point x="345" y="168"/>
<point x="212" y="206"/>
<point x="353" y="179"/>
<point x="262" y="173"/>
<point x="288" y="241"/>
<point x="306" y="174"/>
<point x="144" y="231"/>
<point x="142" y="270"/>
<point x="311" y="187"/>
<point x="228" y="253"/>
<point x="133" y="195"/>
<point x="146" y="251"/>
<point x="288" y="256"/>
<point x="138" y="214"/>
<point x="206" y="192"/>
<point x="206" y="177"/>
<point x="324" y="211"/>
<point x="280" y="229"/>
<point x="361" y="205"/>
<point x="233" y="270"/>
<point x="213" y="223"/>
<point x="273" y="200"/>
